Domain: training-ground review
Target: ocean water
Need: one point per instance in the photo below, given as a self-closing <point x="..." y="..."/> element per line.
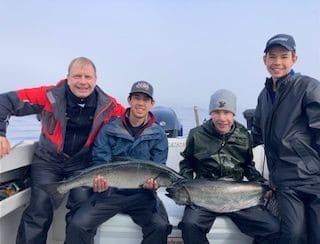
<point x="23" y="128"/>
<point x="28" y="127"/>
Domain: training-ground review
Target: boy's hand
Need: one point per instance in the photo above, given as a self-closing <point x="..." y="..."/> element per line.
<point x="100" y="184"/>
<point x="151" y="184"/>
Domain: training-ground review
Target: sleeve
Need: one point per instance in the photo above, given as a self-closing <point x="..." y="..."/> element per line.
<point x="187" y="163"/>
<point x="160" y="152"/>
<point x="312" y="110"/>
<point x="250" y="171"/>
<point x="20" y="103"/>
<point x="101" y="151"/>
<point x="256" y="126"/>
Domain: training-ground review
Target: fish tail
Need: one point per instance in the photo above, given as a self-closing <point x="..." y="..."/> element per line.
<point x="170" y="195"/>
<point x="170" y="192"/>
<point x="55" y="195"/>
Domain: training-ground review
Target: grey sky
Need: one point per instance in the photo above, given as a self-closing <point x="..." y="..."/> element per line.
<point x="186" y="49"/>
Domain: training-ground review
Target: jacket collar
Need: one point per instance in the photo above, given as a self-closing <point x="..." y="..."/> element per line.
<point x="74" y="101"/>
<point x="125" y="121"/>
<point x="280" y="82"/>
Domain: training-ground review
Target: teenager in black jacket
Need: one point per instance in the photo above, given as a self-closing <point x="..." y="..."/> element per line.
<point x="287" y="122"/>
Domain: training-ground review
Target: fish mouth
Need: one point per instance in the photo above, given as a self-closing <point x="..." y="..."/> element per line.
<point x="172" y="196"/>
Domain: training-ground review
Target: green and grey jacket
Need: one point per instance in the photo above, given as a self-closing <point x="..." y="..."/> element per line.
<point x="211" y="155"/>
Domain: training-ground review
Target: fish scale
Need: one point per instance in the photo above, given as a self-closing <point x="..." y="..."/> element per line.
<point x="120" y="174"/>
<point x="217" y="196"/>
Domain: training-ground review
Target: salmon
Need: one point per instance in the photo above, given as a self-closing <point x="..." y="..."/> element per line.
<point x="219" y="196"/>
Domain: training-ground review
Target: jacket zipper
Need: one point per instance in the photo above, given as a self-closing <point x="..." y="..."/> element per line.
<point x="74" y="134"/>
<point x="222" y="145"/>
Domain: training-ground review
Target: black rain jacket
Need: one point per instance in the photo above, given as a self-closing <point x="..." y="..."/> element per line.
<point x="289" y="128"/>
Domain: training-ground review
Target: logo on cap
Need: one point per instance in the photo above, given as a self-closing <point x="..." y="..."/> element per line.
<point x="284" y="40"/>
<point x="222" y="104"/>
<point x="142" y="85"/>
<point x="277" y="39"/>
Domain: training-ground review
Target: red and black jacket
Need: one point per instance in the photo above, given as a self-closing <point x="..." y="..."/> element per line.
<point x="50" y="102"/>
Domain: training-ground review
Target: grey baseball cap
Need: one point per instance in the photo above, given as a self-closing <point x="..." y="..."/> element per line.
<point x="223" y="100"/>
<point x="142" y="87"/>
<point x="283" y="40"/>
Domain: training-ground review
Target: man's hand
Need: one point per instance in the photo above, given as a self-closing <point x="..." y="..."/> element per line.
<point x="4" y="146"/>
<point x="151" y="184"/>
<point x="268" y="195"/>
<point x="100" y="184"/>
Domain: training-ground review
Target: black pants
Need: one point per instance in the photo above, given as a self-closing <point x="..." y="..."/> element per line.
<point x="256" y="222"/>
<point x="299" y="208"/>
<point x="142" y="206"/>
<point x="37" y="217"/>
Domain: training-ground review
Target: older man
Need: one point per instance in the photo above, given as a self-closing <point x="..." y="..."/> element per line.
<point x="72" y="112"/>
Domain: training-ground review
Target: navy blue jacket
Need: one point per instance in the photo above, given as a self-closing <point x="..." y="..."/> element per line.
<point x="289" y="127"/>
<point x="115" y="140"/>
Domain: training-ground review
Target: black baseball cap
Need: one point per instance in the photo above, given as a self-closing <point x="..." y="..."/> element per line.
<point x="142" y="87"/>
<point x="283" y="40"/>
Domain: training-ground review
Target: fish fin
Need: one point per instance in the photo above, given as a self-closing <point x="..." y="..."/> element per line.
<point x="157" y="176"/>
<point x="55" y="196"/>
<point x="160" y="174"/>
<point x="178" y="182"/>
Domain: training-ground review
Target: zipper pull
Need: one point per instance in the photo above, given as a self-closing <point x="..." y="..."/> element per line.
<point x="223" y="141"/>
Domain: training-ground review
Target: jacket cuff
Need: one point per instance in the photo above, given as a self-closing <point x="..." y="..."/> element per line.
<point x="3" y="126"/>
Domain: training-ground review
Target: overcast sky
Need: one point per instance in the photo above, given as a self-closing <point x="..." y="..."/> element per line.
<point x="186" y="49"/>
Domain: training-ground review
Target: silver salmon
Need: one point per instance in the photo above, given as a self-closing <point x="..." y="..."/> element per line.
<point x="120" y="174"/>
<point x="218" y="196"/>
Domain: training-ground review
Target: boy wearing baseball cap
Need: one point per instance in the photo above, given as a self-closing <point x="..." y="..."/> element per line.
<point x="135" y="135"/>
<point x="287" y="122"/>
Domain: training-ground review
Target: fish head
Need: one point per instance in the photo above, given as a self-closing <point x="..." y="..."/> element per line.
<point x="179" y="194"/>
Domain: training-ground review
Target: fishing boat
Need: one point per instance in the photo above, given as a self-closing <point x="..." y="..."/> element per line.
<point x="119" y="229"/>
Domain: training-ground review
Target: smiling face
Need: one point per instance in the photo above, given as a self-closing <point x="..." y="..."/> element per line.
<point x="82" y="79"/>
<point x="222" y="121"/>
<point x="140" y="104"/>
<point x="279" y="61"/>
